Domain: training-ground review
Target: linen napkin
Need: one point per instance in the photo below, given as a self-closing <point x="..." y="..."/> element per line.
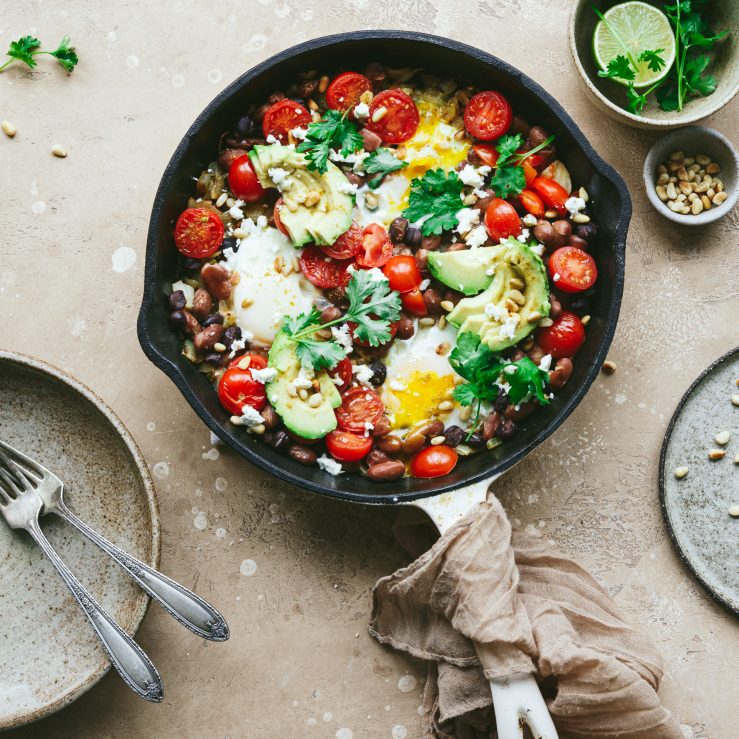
<point x="482" y="603"/>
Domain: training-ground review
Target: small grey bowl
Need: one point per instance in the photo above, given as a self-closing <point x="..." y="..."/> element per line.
<point x="694" y="140"/>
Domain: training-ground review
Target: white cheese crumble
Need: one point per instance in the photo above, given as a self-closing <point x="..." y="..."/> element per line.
<point x="264" y="375"/>
<point x="375" y="272"/>
<point x="508" y="328"/>
<point x="555" y="277"/>
<point x="237" y="346"/>
<point x="363" y="373"/>
<point x="530" y="220"/>
<point x="271" y="139"/>
<point x="299" y="133"/>
<point x="538" y="249"/>
<point x="424" y="284"/>
<point x="249" y="417"/>
<point x="236" y="213"/>
<point x="397" y="386"/>
<point x="368" y="426"/>
<point x="510" y="369"/>
<point x="304" y="378"/>
<point x="347" y="187"/>
<point x="574" y="205"/>
<point x="361" y="111"/>
<point x="327" y="464"/>
<point x="466" y="219"/>
<point x="356" y="160"/>
<point x="280" y="176"/>
<point x="471" y="176"/>
<point x="524" y="235"/>
<point x="546" y="362"/>
<point x="495" y="312"/>
<point x="476" y="237"/>
<point x="343" y="336"/>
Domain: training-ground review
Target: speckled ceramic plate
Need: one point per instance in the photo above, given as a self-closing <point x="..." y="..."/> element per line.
<point x="696" y="507"/>
<point x="48" y="653"/>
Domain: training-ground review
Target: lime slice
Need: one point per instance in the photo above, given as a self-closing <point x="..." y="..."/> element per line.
<point x="634" y="27"/>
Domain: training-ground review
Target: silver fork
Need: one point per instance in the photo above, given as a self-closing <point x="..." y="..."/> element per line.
<point x="21" y="506"/>
<point x="189" y="609"/>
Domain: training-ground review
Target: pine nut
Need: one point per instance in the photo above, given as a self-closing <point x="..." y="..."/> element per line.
<point x="465" y="413"/>
<point x="259" y="429"/>
<point x="663" y="179"/>
<point x="292" y="391"/>
<point x="722" y="438"/>
<point x="313" y="105"/>
<point x="426" y="321"/>
<point x="550" y="214"/>
<point x="443" y="348"/>
<point x="585" y="320"/>
<point x="681" y="198"/>
<point x="221" y="200"/>
<point x="438" y="440"/>
<point x="545" y="322"/>
<point x="9" y="129"/>
<point x="716" y="454"/>
<point x="719" y="198"/>
<point x="323" y="84"/>
<point x="517" y="297"/>
<point x="677" y="155"/>
<point x="734" y="510"/>
<point x="315" y="400"/>
<point x="662" y="193"/>
<point x="534" y="316"/>
<point x="379" y="114"/>
<point x="59" y="151"/>
<point x="702" y="187"/>
<point x="682" y="174"/>
<point x="706" y="202"/>
<point x="608" y="367"/>
<point x="689" y="161"/>
<point x="218" y="347"/>
<point x="735" y="400"/>
<point x="710" y="193"/>
<point x="445" y="406"/>
<point x="303" y="393"/>
<point x="366" y="98"/>
<point x="580" y="218"/>
<point x="279" y="263"/>
<point x="244" y="363"/>
<point x="516" y="284"/>
<point x="671" y="191"/>
<point x="674" y="166"/>
<point x="583" y="193"/>
<point x="713" y="168"/>
<point x="447" y="305"/>
<point x="661" y="169"/>
<point x="442" y="322"/>
<point x="696" y="207"/>
<point x="681" y="472"/>
<point x="287" y="269"/>
<point x="693" y="167"/>
<point x="702" y="159"/>
<point x="685" y="188"/>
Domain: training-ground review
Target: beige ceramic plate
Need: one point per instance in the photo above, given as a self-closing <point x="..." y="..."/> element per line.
<point x="49" y="655"/>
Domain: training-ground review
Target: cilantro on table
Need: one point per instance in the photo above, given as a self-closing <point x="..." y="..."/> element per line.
<point x="509" y="177"/>
<point x="484" y="369"/>
<point x="27" y="48"/>
<point x="335" y="131"/>
<point x="381" y="162"/>
<point x="437" y="198"/>
<point x="373" y="306"/>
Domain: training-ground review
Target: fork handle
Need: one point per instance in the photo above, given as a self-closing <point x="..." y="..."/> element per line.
<point x="189" y="609"/>
<point x="132" y="663"/>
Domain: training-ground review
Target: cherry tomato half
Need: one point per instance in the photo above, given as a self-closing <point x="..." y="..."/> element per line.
<point x="487" y="115"/>
<point x="321" y="270"/>
<point x="360" y="342"/>
<point x="501" y="220"/>
<point x="376" y="247"/>
<point x="243" y="180"/>
<point x="237" y="388"/>
<point x="551" y="192"/>
<point x="575" y="268"/>
<point x="400" y="121"/>
<point x="402" y="273"/>
<point x="281" y="117"/>
<point x="198" y="233"/>
<point x="279" y="225"/>
<point x="359" y="405"/>
<point x="414" y="303"/>
<point x="342" y="372"/>
<point x="564" y="337"/>
<point x="348" y="245"/>
<point x="487" y="154"/>
<point x="346" y="446"/>
<point x="529" y="172"/>
<point x="346" y="89"/>
<point x="434" y="461"/>
<point x="532" y="202"/>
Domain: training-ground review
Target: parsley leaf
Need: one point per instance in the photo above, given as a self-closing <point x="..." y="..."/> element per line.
<point x="509" y="177"/>
<point x="620" y="67"/>
<point x="381" y="162"/>
<point x="23" y="49"/>
<point x="319" y="354"/>
<point x="694" y="78"/>
<point x="653" y="59"/>
<point x="335" y="131"/>
<point x="507" y="147"/>
<point x="26" y="48"/>
<point x="294" y="325"/>
<point x="508" y="181"/>
<point x="527" y="380"/>
<point x="667" y="96"/>
<point x="636" y="101"/>
<point x="66" y="54"/>
<point x="436" y="197"/>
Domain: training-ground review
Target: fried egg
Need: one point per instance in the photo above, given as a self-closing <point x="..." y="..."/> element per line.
<point x="419" y="378"/>
<point x="264" y="294"/>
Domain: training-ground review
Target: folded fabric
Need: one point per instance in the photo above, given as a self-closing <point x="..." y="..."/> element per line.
<point x="481" y="603"/>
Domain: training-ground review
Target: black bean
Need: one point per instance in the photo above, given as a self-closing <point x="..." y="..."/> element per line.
<point x="192" y="265"/>
<point x="177" y="300"/>
<point x="453" y="435"/>
<point x="244" y="126"/>
<point x="214" y="358"/>
<point x="398" y="229"/>
<point x="211" y="319"/>
<point x="178" y="318"/>
<point x="413" y="236"/>
<point x="587" y="231"/>
<point x="476" y="441"/>
<point x="278" y="440"/>
<point x="230" y="243"/>
<point x="379" y="373"/>
<point x="231" y="334"/>
<point x="506" y="429"/>
<point x="501" y="401"/>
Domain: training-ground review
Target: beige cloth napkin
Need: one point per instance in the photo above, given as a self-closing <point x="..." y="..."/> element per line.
<point x="526" y="608"/>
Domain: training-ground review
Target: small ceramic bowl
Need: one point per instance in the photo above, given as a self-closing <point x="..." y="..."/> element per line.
<point x="694" y="140"/>
<point x="610" y="97"/>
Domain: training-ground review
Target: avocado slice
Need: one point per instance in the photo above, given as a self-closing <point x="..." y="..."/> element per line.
<point x="301" y="418"/>
<point x="318" y="207"/>
<point x="491" y="314"/>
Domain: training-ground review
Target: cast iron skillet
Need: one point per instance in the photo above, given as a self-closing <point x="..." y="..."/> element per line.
<point x="610" y="205"/>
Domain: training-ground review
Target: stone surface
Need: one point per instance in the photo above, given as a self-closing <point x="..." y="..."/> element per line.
<point x="293" y="573"/>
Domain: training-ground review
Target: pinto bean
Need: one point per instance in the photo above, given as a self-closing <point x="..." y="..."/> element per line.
<point x="177" y="300"/>
<point x="269" y="414"/>
<point x="506" y="429"/>
<point x="307" y="89"/>
<point x="330" y="314"/>
<point x="422" y="260"/>
<point x="279" y="439"/>
<point x="537" y="135"/>
<point x="413" y="236"/>
<point x="490" y="425"/>
<point x="578" y="242"/>
<point x="453" y="435"/>
<point x="208" y="337"/>
<point x="561" y="373"/>
<point x="228" y="156"/>
<point x="556" y="306"/>
<point x="519" y="125"/>
<point x="201" y="303"/>
<point x="525" y="409"/>
<point x="432" y="298"/>
<point x="376" y="456"/>
<point x="406" y="329"/>
<point x="390" y="443"/>
<point x="371" y="140"/>
<point x="419" y="434"/>
<point x="536" y="353"/>
<point x="562" y="230"/>
<point x="382" y="427"/>
<point x="213" y="318"/>
<point x="217" y="279"/>
<point x="544" y="232"/>
<point x="587" y="230"/>
<point x="385" y="471"/>
<point x="192" y="325"/>
<point x="376" y="74"/>
<point x="354" y="178"/>
<point x="397" y="230"/>
<point x="517" y="354"/>
<point x="302" y="454"/>
<point x="431" y="243"/>
<point x="484" y="203"/>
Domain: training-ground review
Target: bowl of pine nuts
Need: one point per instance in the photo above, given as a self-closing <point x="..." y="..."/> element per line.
<point x="691" y="176"/>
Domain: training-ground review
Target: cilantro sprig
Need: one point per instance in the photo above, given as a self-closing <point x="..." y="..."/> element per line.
<point x="373" y="306"/>
<point x="27" y="48"/>
<point x="485" y="371"/>
<point x="335" y="131"/>
<point x="509" y="177"/>
<point x="437" y="198"/>
<point x="380" y="163"/>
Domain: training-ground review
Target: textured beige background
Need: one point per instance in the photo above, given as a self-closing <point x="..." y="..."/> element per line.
<point x="300" y="662"/>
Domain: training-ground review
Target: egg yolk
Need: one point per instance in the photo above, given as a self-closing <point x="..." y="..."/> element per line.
<point x="420" y="396"/>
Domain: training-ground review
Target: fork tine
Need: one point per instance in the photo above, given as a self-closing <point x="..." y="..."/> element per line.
<point x="12" y="470"/>
<point x="29" y="465"/>
<point x="5" y="495"/>
<point x="9" y="482"/>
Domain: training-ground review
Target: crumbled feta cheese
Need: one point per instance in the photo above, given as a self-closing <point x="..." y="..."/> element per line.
<point x="555" y="277"/>
<point x="236" y="213"/>
<point x="530" y="220"/>
<point x="356" y="160"/>
<point x="508" y="329"/>
<point x="280" y="176"/>
<point x="327" y="464"/>
<point x="574" y="205"/>
<point x="299" y="133"/>
<point x="361" y="111"/>
<point x="347" y="187"/>
<point x="466" y="219"/>
<point x="375" y="272"/>
<point x="343" y="336"/>
<point x="546" y="362"/>
<point x="304" y="378"/>
<point x="271" y="139"/>
<point x="262" y="222"/>
<point x="495" y="312"/>
<point x="476" y="237"/>
<point x="363" y="373"/>
<point x="424" y="285"/>
<point x="264" y="375"/>
<point x="524" y="235"/>
<point x="237" y="346"/>
<point x="397" y="386"/>
<point x="470" y="176"/>
<point x="368" y="426"/>
<point x="538" y="249"/>
<point x="250" y="417"/>
<point x="510" y="369"/>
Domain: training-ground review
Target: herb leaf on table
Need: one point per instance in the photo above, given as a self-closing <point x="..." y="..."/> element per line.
<point x="26" y="48"/>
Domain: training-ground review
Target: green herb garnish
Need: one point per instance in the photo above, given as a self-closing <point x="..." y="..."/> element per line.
<point x="26" y="48"/>
<point x="335" y="131"/>
<point x="509" y="177"/>
<point x="437" y="198"/>
<point x="381" y="162"/>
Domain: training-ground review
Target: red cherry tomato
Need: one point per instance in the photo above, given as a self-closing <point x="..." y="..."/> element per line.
<point x="564" y="337"/>
<point x="343" y="372"/>
<point x="414" y="303"/>
<point x="198" y="233"/>
<point x="321" y="270"/>
<point x="237" y="388"/>
<point x="487" y="115"/>
<point x="551" y="192"/>
<point x="434" y="461"/>
<point x="281" y="117"/>
<point x="346" y="89"/>
<point x="278" y="221"/>
<point x="575" y="269"/>
<point x="243" y="180"/>
<point x="402" y="273"/>
<point x="360" y="342"/>
<point x="501" y="220"/>
<point x="360" y="404"/>
<point x="400" y="121"/>
<point x="346" y="446"/>
<point x="529" y="172"/>
<point x="348" y="245"/>
<point x="532" y="202"/>
<point x="487" y="154"/>
<point x="376" y="247"/>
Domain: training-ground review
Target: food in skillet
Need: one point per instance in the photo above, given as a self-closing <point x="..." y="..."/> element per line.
<point x="383" y="271"/>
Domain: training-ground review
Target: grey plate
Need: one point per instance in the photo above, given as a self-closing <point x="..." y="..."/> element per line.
<point x="696" y="507"/>
<point x="48" y="653"/>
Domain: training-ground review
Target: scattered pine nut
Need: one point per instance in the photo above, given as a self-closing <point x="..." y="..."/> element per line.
<point x="609" y="367"/>
<point x="247" y="302"/>
<point x="259" y="429"/>
<point x="379" y="114"/>
<point x="323" y="84"/>
<point x="445" y="406"/>
<point x="315" y="400"/>
<point x="244" y="363"/>
<point x="736" y="458"/>
<point x="681" y="472"/>
<point x="447" y="305"/>
<point x="438" y="440"/>
<point x="218" y="347"/>
<point x="9" y="129"/>
<point x="59" y="151"/>
<point x="722" y="438"/>
<point x="428" y="321"/>
<point x="734" y="510"/>
<point x="585" y="320"/>
<point x="716" y="454"/>
<point x="735" y="400"/>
